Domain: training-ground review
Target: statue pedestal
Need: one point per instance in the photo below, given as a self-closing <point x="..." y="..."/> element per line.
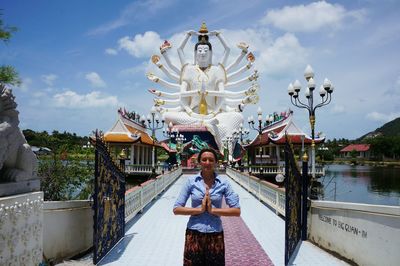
<point x="18" y="187"/>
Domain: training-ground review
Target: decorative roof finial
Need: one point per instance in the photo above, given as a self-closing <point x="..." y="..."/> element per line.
<point x="203" y="28"/>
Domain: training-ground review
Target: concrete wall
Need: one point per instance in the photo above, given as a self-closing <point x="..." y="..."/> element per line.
<point x="67" y="228"/>
<point x="21" y="218"/>
<point x="366" y="234"/>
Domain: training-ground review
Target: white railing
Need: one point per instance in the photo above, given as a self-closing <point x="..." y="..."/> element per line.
<point x="266" y="192"/>
<point x="258" y="169"/>
<point x="131" y="168"/>
<point x="138" y="197"/>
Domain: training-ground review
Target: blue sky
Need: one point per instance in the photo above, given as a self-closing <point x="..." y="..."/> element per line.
<point x="81" y="60"/>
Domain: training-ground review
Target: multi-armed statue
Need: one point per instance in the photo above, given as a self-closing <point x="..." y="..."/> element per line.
<point x="201" y="94"/>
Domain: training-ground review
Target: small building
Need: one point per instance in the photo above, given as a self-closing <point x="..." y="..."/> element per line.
<point x="267" y="149"/>
<point x="361" y="151"/>
<point x="129" y="144"/>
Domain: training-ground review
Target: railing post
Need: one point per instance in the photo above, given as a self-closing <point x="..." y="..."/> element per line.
<point x="304" y="197"/>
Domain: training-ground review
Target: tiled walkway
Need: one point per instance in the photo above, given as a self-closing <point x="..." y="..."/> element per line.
<point x="156" y="237"/>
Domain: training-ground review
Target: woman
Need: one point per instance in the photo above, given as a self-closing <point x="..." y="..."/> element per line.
<point x="204" y="241"/>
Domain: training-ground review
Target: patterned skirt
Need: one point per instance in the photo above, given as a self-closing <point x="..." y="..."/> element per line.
<point x="204" y="249"/>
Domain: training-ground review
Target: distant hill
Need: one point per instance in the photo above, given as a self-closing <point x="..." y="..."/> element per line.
<point x="389" y="129"/>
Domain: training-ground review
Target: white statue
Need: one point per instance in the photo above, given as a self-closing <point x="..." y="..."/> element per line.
<point x="17" y="161"/>
<point x="201" y="95"/>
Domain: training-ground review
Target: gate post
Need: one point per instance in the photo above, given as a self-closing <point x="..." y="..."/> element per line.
<point x="304" y="182"/>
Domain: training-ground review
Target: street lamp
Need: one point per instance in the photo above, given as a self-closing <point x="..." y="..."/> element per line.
<point x="153" y="124"/>
<point x="180" y="139"/>
<point x="258" y="128"/>
<point x="227" y="141"/>
<point x="170" y="133"/>
<point x="240" y="133"/>
<point x="325" y="92"/>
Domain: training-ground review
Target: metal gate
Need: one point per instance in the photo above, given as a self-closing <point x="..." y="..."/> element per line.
<point x="108" y="201"/>
<point x="295" y="212"/>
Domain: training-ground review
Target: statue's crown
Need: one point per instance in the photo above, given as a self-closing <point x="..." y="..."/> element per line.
<point x="203" y="28"/>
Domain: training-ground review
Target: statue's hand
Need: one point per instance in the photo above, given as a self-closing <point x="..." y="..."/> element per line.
<point x="158" y="102"/>
<point x="152" y="77"/>
<point x="192" y="33"/>
<point x="254" y="76"/>
<point x="214" y="33"/>
<point x="253" y="99"/>
<point x="253" y="89"/>
<point x="155" y="92"/>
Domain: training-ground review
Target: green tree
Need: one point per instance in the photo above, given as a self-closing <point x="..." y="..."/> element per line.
<point x="65" y="179"/>
<point x="8" y="74"/>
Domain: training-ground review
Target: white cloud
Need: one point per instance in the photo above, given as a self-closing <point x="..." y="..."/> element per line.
<point x="71" y="99"/>
<point x="49" y="79"/>
<point x="111" y="51"/>
<point x="26" y="82"/>
<point x="141" y="45"/>
<point x="95" y="80"/>
<point x="376" y="116"/>
<point x="285" y="54"/>
<point x="131" y="13"/>
<point x="311" y="17"/>
<point x="337" y="109"/>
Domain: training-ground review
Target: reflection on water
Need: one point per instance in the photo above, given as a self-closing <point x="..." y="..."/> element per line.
<point x="362" y="184"/>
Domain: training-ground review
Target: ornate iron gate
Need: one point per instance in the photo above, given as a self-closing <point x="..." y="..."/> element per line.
<point x="293" y="186"/>
<point x="108" y="201"/>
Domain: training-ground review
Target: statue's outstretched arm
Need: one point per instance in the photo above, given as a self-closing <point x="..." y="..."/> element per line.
<point x="164" y="83"/>
<point x="235" y="94"/>
<point x="158" y="93"/>
<point x="253" y="99"/>
<point x="239" y="71"/>
<point x="250" y="78"/>
<point x="244" y="47"/>
<point x="182" y="46"/>
<point x="169" y="63"/>
<point x="156" y="60"/>
<point x="168" y="109"/>
<point x="159" y="102"/>
<point x="227" y="49"/>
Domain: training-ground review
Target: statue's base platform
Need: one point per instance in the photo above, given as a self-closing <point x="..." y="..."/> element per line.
<point x="19" y="187"/>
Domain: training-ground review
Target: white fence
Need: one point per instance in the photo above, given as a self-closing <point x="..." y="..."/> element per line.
<point x="136" y="169"/>
<point x="266" y="192"/>
<point x="138" y="197"/>
<point x="272" y="169"/>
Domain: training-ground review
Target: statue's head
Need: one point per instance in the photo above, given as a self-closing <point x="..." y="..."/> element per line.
<point x="203" y="51"/>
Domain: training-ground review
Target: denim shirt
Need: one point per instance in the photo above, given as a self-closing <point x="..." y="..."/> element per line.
<point x="195" y="188"/>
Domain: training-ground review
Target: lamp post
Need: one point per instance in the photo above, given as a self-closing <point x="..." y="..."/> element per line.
<point x="258" y="128"/>
<point x="180" y="139"/>
<point x="170" y="133"/>
<point x="325" y="92"/>
<point x="227" y="141"/>
<point x="153" y="124"/>
<point x="239" y="134"/>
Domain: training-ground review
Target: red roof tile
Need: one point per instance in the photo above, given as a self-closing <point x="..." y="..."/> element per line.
<point x="356" y="147"/>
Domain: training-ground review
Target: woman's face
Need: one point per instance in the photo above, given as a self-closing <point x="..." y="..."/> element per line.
<point x="207" y="161"/>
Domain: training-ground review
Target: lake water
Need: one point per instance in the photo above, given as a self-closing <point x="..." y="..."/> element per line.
<point x="362" y="184"/>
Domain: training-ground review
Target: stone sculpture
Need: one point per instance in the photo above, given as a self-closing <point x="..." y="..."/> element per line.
<point x="17" y="161"/>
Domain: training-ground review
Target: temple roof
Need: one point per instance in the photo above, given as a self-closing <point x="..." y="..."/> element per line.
<point x="127" y="130"/>
<point x="356" y="147"/>
<point x="275" y="133"/>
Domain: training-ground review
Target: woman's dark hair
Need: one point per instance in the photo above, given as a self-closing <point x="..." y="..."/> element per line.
<point x="207" y="150"/>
